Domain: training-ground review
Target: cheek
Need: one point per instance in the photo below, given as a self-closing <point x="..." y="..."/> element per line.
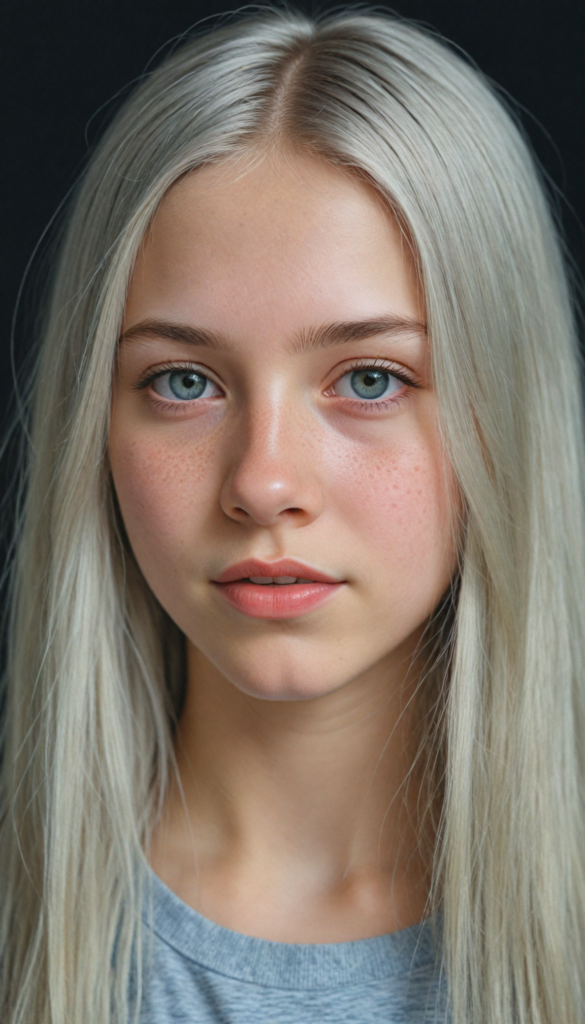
<point x="401" y="505"/>
<point x="161" y="489"/>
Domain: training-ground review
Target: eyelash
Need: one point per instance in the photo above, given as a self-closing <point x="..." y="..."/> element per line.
<point x="149" y="376"/>
<point x="373" y="406"/>
<point x="359" y="364"/>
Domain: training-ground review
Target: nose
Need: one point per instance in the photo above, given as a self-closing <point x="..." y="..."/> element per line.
<point x="272" y="475"/>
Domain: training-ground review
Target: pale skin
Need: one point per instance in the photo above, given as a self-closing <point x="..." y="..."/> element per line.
<point x="293" y="744"/>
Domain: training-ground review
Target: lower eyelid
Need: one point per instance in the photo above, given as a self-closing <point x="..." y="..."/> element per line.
<point x="381" y="403"/>
<point x="178" y="407"/>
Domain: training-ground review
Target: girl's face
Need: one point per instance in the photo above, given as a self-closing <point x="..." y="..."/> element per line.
<point x="273" y="417"/>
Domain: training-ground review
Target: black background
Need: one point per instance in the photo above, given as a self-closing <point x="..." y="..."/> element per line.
<point x="66" y="66"/>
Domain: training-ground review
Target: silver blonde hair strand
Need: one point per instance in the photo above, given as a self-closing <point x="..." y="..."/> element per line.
<point x="94" y="678"/>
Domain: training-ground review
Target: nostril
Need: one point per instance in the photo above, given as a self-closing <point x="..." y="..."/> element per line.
<point x="251" y="495"/>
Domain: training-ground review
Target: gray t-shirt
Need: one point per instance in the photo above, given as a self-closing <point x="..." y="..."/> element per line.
<point x="203" y="973"/>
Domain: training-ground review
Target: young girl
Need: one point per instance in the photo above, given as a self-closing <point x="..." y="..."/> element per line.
<point x="295" y="703"/>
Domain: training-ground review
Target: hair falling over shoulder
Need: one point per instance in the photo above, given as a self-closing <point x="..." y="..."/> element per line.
<point x="94" y="676"/>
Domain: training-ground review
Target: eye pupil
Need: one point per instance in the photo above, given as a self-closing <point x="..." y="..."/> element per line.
<point x="187" y="385"/>
<point x="370" y="383"/>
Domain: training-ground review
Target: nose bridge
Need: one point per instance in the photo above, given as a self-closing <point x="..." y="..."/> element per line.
<point x="267" y="420"/>
<point x="269" y="471"/>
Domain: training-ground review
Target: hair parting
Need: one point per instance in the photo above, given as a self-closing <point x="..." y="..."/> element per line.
<point x="95" y="676"/>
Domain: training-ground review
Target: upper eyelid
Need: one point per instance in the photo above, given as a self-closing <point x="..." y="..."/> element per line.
<point x="151" y="374"/>
<point x="394" y="369"/>
<point x="380" y="362"/>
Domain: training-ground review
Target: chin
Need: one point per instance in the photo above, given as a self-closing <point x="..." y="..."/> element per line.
<point x="285" y="687"/>
<point x="270" y="681"/>
<point x="282" y="671"/>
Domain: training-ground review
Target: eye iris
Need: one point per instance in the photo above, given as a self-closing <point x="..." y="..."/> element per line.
<point x="370" y="383"/>
<point x="188" y="384"/>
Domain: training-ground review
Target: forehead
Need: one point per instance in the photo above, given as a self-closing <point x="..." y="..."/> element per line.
<point x="292" y="236"/>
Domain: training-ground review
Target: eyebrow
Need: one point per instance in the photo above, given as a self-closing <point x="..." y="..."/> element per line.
<point x="355" y="330"/>
<point x="305" y="340"/>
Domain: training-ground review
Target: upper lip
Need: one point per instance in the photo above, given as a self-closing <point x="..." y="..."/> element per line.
<point x="282" y="567"/>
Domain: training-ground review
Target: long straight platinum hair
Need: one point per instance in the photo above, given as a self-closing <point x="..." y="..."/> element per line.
<point x="95" y="666"/>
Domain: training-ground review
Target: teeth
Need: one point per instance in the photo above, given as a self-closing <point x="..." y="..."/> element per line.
<point x="279" y="580"/>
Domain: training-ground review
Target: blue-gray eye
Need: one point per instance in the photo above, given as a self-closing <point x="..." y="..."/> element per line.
<point x="184" y="385"/>
<point x="369" y="383"/>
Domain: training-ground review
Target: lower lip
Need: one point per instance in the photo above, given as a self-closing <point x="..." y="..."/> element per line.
<point x="271" y="601"/>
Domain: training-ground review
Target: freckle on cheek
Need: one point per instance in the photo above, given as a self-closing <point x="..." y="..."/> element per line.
<point x="156" y="482"/>
<point x="386" y="496"/>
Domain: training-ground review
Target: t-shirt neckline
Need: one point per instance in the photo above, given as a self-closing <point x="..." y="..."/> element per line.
<point x="285" y="964"/>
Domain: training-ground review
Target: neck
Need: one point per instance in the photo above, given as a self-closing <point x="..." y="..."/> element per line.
<point x="295" y="821"/>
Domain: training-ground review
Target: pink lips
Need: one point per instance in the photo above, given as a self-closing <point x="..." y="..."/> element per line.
<point x="275" y="601"/>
